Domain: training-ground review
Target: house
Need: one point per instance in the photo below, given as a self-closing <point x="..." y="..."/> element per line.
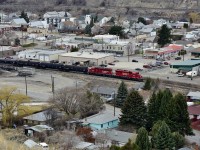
<point x="6" y="51"/>
<point x="37" y="129"/>
<point x="68" y="26"/>
<point x="40" y="118"/>
<point x="32" y="145"/>
<point x="193" y="96"/>
<point x="5" y="28"/>
<point x="106" y="38"/>
<point x="85" y="146"/>
<point x="55" y="18"/>
<point x="105" y="92"/>
<point x="116" y="137"/>
<point x="19" y="23"/>
<point x="101" y="121"/>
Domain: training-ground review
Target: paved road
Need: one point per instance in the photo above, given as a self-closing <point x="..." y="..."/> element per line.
<point x="194" y="139"/>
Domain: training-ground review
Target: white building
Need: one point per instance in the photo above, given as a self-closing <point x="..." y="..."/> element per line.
<point x="90" y="57"/>
<point x="116" y="47"/>
<point x="38" y="24"/>
<point x="41" y="55"/>
<point x="106" y="38"/>
<point x="55" y="17"/>
<point x="88" y="19"/>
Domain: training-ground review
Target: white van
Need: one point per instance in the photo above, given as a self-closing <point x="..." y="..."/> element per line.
<point x="44" y="146"/>
<point x="191" y="73"/>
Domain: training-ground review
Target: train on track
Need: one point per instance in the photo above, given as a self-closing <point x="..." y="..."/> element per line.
<point x="99" y="71"/>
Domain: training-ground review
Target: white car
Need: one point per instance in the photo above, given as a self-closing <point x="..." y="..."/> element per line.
<point x="181" y="75"/>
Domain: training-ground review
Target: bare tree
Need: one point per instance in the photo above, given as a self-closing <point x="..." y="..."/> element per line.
<point x="67" y="100"/>
<point x="102" y="140"/>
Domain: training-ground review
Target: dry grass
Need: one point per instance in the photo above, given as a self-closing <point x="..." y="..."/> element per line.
<point x="9" y="145"/>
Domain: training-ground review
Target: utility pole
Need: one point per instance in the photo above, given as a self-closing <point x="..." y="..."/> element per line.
<point x="2" y="51"/>
<point x="102" y="44"/>
<point x="26" y="85"/>
<point x="114" y="102"/>
<point x="52" y="84"/>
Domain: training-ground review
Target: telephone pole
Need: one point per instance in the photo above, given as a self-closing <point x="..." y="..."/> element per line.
<point x="52" y="84"/>
<point x="26" y="85"/>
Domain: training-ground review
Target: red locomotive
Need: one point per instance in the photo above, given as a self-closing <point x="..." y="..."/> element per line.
<point x="126" y="74"/>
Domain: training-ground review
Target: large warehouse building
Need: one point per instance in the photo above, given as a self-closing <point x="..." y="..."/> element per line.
<point x="89" y="57"/>
<point x="186" y="66"/>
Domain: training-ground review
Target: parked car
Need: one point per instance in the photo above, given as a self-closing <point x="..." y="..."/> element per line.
<point x="178" y="58"/>
<point x="134" y="60"/>
<point x="181" y="75"/>
<point x="102" y="65"/>
<point x="112" y="64"/>
<point x="147" y="66"/>
<point x="8" y="57"/>
<point x="138" y="69"/>
<point x="166" y="63"/>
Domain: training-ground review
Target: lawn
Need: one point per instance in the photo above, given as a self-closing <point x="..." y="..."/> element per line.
<point x="29" y="45"/>
<point x="28" y="110"/>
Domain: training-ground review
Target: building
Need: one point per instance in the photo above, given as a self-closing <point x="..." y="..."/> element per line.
<point x="32" y="145"/>
<point x="38" y="24"/>
<point x="41" y="55"/>
<point x="185" y="66"/>
<point x="40" y="31"/>
<point x="117" y="137"/>
<point x="19" y="23"/>
<point x="90" y="57"/>
<point x="55" y="18"/>
<point x="85" y="146"/>
<point x="4" y="29"/>
<point x="106" y="38"/>
<point x="38" y="129"/>
<point x="193" y="96"/>
<point x="196" y="52"/>
<point x="101" y="121"/>
<point x="40" y="118"/>
<point x="116" y="47"/>
<point x="105" y="92"/>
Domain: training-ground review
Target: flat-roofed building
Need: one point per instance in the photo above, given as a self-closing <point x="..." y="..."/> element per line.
<point x="90" y="57"/>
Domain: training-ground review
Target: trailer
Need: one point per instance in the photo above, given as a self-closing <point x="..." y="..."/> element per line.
<point x="191" y="74"/>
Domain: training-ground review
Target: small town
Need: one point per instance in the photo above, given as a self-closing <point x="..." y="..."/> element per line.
<point x="99" y="82"/>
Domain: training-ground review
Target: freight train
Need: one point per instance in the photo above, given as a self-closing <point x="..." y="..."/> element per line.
<point x="99" y="71"/>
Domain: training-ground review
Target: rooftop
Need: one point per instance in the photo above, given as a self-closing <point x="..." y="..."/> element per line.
<point x="100" y="118"/>
<point x="194" y="94"/>
<point x="30" y="143"/>
<point x="186" y="63"/>
<point x="38" y="117"/>
<point x="89" y="55"/>
<point x="194" y="110"/>
<point x="41" y="128"/>
<point x="20" y="21"/>
<point x="105" y="36"/>
<point x="104" y="90"/>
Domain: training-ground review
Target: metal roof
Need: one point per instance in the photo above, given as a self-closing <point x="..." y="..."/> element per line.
<point x="188" y="63"/>
<point x="38" y="117"/>
<point x="104" y="90"/>
<point x="194" y="94"/>
<point x="20" y="21"/>
<point x="30" y="143"/>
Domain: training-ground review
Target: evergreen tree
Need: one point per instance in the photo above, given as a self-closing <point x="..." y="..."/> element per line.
<point x="152" y="111"/>
<point x="17" y="42"/>
<point x="130" y="146"/>
<point x="116" y="30"/>
<point x="180" y="121"/>
<point x="142" y="20"/>
<point x="147" y="85"/>
<point x="154" y="132"/>
<point x="25" y="16"/>
<point x="121" y="94"/>
<point x="142" y="139"/>
<point x="88" y="29"/>
<point x="164" y="35"/>
<point x="164" y="139"/>
<point x="178" y="139"/>
<point x="134" y="110"/>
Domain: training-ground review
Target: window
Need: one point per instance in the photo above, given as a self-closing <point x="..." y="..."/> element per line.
<point x="101" y="125"/>
<point x="108" y="123"/>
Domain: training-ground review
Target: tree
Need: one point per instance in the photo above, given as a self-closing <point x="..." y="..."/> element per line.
<point x="25" y="16"/>
<point x="178" y="139"/>
<point x="142" y="139"/>
<point x="116" y="30"/>
<point x="86" y="134"/>
<point x="88" y="29"/>
<point x="142" y="20"/>
<point x="129" y="146"/>
<point x="17" y="42"/>
<point x="164" y="35"/>
<point x="134" y="110"/>
<point x="185" y="25"/>
<point x="67" y="100"/>
<point x="10" y="101"/>
<point x="164" y="139"/>
<point x="180" y="121"/>
<point x="74" y="49"/>
<point x="90" y="103"/>
<point x="147" y="85"/>
<point x="191" y="20"/>
<point x="121" y="94"/>
<point x="152" y="111"/>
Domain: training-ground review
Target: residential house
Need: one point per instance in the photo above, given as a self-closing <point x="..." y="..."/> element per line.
<point x="105" y="92"/>
<point x="103" y="20"/>
<point x="40" y="118"/>
<point x="149" y="31"/>
<point x="101" y="121"/>
<point x="68" y="26"/>
<point x="6" y="51"/>
<point x="32" y="145"/>
<point x="115" y="137"/>
<point x="193" y="96"/>
<point x="38" y="129"/>
<point x="19" y="24"/>
<point x="106" y="38"/>
<point x="55" y="18"/>
<point x="88" y="19"/>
